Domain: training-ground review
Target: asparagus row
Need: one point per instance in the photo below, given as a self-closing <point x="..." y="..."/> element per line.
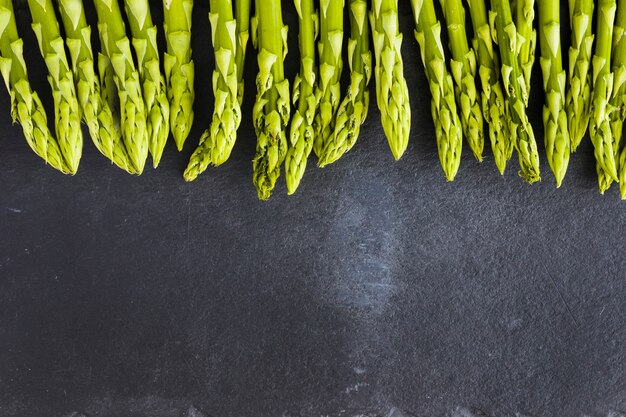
<point x="305" y="98"/>
<point x="26" y="107"/>
<point x="448" y="130"/>
<point x="556" y="135"/>
<point x="601" y="108"/>
<point x="353" y="109"/>
<point x="96" y="112"/>
<point x="144" y="34"/>
<point x="119" y="64"/>
<point x="619" y="90"/>
<point x="66" y="108"/>
<point x="511" y="44"/>
<point x="331" y="65"/>
<point x="492" y="95"/>
<point x="463" y="69"/>
<point x="271" y="110"/>
<point x="392" y="93"/>
<point x="578" y="99"/>
<point x="179" y="67"/>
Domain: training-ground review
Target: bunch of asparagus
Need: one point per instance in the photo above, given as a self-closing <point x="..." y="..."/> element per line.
<point x="481" y="74"/>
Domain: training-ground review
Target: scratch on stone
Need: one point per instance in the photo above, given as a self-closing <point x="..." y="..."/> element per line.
<point x="569" y="311"/>
<point x="14" y="210"/>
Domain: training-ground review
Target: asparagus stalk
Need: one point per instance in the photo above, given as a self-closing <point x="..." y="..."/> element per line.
<point x="144" y="34"/>
<point x="271" y="110"/>
<point x="448" y="130"/>
<point x="331" y="65"/>
<point x="179" y="67"/>
<point x="524" y="17"/>
<point x="353" y="109"/>
<point x="511" y="43"/>
<point x="26" y="107"/>
<point x="392" y="93"/>
<point x="67" y="113"/>
<point x="601" y="108"/>
<point x="556" y="135"/>
<point x="492" y="95"/>
<point x="96" y="112"/>
<point x="619" y="89"/>
<point x="578" y="99"/>
<point x="242" y="16"/>
<point x="305" y="97"/>
<point x="463" y="68"/>
<point x="116" y="48"/>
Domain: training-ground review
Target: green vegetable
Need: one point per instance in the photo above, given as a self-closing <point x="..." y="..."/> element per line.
<point x="271" y="110"/>
<point x="66" y="108"/>
<point x="556" y="135"/>
<point x="512" y="46"/>
<point x="242" y="15"/>
<point x="353" y="109"/>
<point x="179" y="67"/>
<point x="601" y="108"/>
<point x="493" y="100"/>
<point x="618" y="100"/>
<point x="448" y="130"/>
<point x="392" y="93"/>
<point x="26" y="107"/>
<point x="524" y="17"/>
<point x="463" y="69"/>
<point x="331" y="65"/>
<point x="578" y="99"/>
<point x="119" y="65"/>
<point x="305" y="97"/>
<point x="144" y="34"/>
<point x="95" y="111"/>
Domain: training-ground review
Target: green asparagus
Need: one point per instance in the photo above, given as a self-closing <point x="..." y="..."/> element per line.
<point x="271" y="110"/>
<point x="305" y="98"/>
<point x="527" y="39"/>
<point x="448" y="129"/>
<point x="619" y="90"/>
<point x="179" y="67"/>
<point x="578" y="99"/>
<point x="511" y="43"/>
<point x="392" y="93"/>
<point x="26" y="107"/>
<point x="242" y="15"/>
<point x="67" y="113"/>
<point x="119" y="60"/>
<point x="556" y="135"/>
<point x="353" y="109"/>
<point x="463" y="69"/>
<point x="144" y="34"/>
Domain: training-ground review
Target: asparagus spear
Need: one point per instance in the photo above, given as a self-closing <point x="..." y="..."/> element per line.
<point x="179" y="67"/>
<point x="556" y="135"/>
<point x="619" y="90"/>
<point x="448" y="128"/>
<point x="392" y="93"/>
<point x="95" y="111"/>
<point x="26" y="107"/>
<point x="242" y="16"/>
<point x="272" y="108"/>
<point x="492" y="95"/>
<point x="601" y="108"/>
<point x="116" y="48"/>
<point x="511" y="44"/>
<point x="305" y="98"/>
<point x="353" y="109"/>
<point x="331" y="65"/>
<point x="463" y="69"/>
<point x="578" y="99"/>
<point x="144" y="34"/>
<point x="524" y="17"/>
<point x="66" y="108"/>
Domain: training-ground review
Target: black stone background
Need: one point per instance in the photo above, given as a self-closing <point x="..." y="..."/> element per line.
<point x="378" y="289"/>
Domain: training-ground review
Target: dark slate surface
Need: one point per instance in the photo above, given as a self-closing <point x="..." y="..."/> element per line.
<point x="378" y="289"/>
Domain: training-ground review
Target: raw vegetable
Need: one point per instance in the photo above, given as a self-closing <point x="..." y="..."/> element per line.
<point x="118" y="63"/>
<point x="26" y="107"/>
<point x="271" y="110"/>
<point x="66" y="108"/>
<point x="305" y="97"/>
<point x="556" y="135"/>
<point x="144" y="34"/>
<point x="179" y="67"/>
<point x="392" y="93"/>
<point x="463" y="70"/>
<point x="619" y="90"/>
<point x="524" y="17"/>
<point x="448" y="130"/>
